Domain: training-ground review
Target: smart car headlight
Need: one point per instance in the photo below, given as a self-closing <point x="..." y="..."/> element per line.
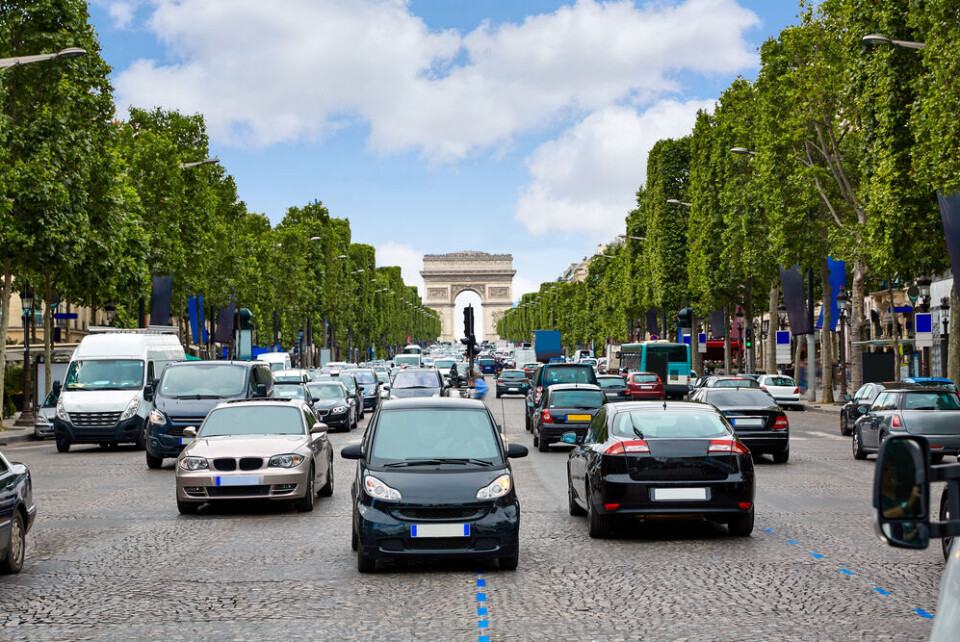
<point x="290" y="460"/>
<point x="378" y="490"/>
<point x="194" y="463"/>
<point x="497" y="488"/>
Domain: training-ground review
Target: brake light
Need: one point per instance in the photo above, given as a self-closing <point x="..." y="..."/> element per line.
<point x="623" y="447"/>
<point x="500" y="381"/>
<point x="547" y="419"/>
<point x="896" y="422"/>
<point x="727" y="446"/>
<point x="745" y="505"/>
<point x="781" y="423"/>
<point x="611" y="507"/>
<point x="796" y="391"/>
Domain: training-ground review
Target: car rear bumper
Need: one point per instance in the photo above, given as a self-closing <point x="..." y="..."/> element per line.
<point x="634" y="497"/>
<point x="765" y="442"/>
<point x="941" y="444"/>
<point x="512" y="390"/>
<point x="551" y="433"/>
<point x="647" y="394"/>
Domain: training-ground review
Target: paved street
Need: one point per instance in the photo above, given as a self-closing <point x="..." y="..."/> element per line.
<point x="110" y="557"/>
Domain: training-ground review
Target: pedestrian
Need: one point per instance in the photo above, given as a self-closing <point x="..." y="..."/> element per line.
<point x="480" y="387"/>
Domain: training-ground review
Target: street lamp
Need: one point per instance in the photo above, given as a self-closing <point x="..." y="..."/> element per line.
<point x="206" y="161"/>
<point x="923" y="284"/>
<point x="782" y="314"/>
<point x="673" y="201"/>
<point x="635" y="238"/>
<point x="743" y="151"/>
<point x="110" y="311"/>
<point x="315" y="238"/>
<point x="843" y="300"/>
<point x="880" y="39"/>
<point x="26" y="302"/>
<point x="69" y="52"/>
<point x="340" y="257"/>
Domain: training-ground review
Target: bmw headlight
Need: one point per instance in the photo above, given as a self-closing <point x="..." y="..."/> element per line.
<point x="157" y="417"/>
<point x="497" y="488"/>
<point x="132" y="409"/>
<point x="61" y="411"/>
<point x="339" y="410"/>
<point x="378" y="490"/>
<point x="285" y="461"/>
<point x="194" y="463"/>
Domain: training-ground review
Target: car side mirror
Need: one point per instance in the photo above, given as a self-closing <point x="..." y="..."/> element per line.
<point x="901" y="492"/>
<point x="353" y="451"/>
<point x="862" y="410"/>
<point x="568" y="438"/>
<point x="56" y="387"/>
<point x="515" y="451"/>
<point x="190" y="431"/>
<point x="318" y="428"/>
<point x="260" y="390"/>
<point x="148" y="391"/>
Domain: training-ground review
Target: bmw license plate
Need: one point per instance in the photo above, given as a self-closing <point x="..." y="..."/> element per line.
<point x="238" y="480"/>
<point x="439" y="530"/>
<point x="748" y="422"/>
<point x="679" y="494"/>
<point x="579" y="417"/>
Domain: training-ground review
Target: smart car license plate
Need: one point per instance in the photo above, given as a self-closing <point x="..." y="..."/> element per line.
<point x="675" y="494"/>
<point x="748" y="422"/>
<point x="579" y="417"/>
<point x="439" y="530"/>
<point x="238" y="480"/>
<point x="185" y="440"/>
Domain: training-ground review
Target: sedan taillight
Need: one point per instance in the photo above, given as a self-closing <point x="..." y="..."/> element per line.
<point x="623" y="447"/>
<point x="796" y="391"/>
<point x="896" y="422"/>
<point x="726" y="446"/>
<point x="546" y="418"/>
<point x="781" y="423"/>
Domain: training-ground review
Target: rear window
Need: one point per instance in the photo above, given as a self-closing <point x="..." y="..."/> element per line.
<point x="512" y="375"/>
<point x="743" y="397"/>
<point x="931" y="401"/>
<point x="670" y="424"/>
<point x="746" y="382"/>
<point x="781" y="381"/>
<point x="575" y="374"/>
<point x="938" y="384"/>
<point x="576" y="399"/>
<point x="610" y="382"/>
<point x="646" y="378"/>
<point x="673" y="353"/>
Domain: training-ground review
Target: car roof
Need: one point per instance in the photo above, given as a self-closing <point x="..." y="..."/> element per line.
<point x="566" y="364"/>
<point x="610" y="376"/>
<point x="897" y="386"/>
<point x="629" y="406"/>
<point x="432" y="402"/>
<point x="261" y="401"/>
<point x="560" y="387"/>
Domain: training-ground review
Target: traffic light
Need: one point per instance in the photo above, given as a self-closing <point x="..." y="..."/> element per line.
<point x="749" y="335"/>
<point x="468" y="321"/>
<point x="685" y="317"/>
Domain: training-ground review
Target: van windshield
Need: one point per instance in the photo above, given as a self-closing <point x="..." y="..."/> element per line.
<point x="105" y="374"/>
<point x="204" y="381"/>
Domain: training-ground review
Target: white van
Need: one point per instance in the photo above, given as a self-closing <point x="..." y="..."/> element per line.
<point x="108" y="390"/>
<point x="277" y="360"/>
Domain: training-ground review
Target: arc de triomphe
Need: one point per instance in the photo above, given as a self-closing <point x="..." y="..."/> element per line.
<point x="489" y="275"/>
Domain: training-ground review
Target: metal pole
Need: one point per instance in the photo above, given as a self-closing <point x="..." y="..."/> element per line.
<point x="26" y="412"/>
<point x="843" y="355"/>
<point x="811" y="343"/>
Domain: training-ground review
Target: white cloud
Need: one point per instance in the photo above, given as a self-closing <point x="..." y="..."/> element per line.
<point x="263" y="75"/>
<point x="122" y="14"/>
<point x="405" y="256"/>
<point x="585" y="180"/>
<point x="522" y="286"/>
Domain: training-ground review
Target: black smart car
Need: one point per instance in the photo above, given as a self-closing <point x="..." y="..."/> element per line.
<point x="564" y="408"/>
<point x="433" y="480"/>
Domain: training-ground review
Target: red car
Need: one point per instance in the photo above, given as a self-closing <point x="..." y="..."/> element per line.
<point x="645" y="385"/>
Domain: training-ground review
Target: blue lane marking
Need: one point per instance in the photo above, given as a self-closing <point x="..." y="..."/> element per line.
<point x="923" y="613"/>
<point x="769" y="530"/>
<point x="481" y="610"/>
<point x="790" y="541"/>
<point x="846" y="572"/>
<point x="483" y="624"/>
<point x="481" y="597"/>
<point x="481" y="582"/>
<point x="881" y="591"/>
<point x="484" y="638"/>
<point x="817" y="555"/>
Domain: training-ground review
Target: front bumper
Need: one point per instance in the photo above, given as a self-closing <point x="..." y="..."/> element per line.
<point x="267" y="483"/>
<point x="636" y="497"/>
<point x="341" y="420"/>
<point x="384" y="536"/>
<point x="124" y="431"/>
<point x="166" y="440"/>
<point x="42" y="429"/>
<point x="370" y="402"/>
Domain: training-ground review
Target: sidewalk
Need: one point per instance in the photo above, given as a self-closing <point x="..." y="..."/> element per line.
<point x="816" y="406"/>
<point x="13" y="434"/>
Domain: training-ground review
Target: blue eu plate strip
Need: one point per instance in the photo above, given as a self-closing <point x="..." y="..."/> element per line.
<point x="413" y="530"/>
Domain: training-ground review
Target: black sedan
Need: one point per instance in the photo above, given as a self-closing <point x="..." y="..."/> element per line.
<point x="433" y="481"/>
<point x="614" y="388"/>
<point x="862" y="398"/>
<point x="564" y="408"/>
<point x="17" y="513"/>
<point x="759" y="421"/>
<point x="512" y="382"/>
<point x="655" y="458"/>
<point x="332" y="405"/>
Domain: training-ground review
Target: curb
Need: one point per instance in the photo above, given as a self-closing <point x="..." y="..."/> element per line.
<point x="822" y="410"/>
<point x="15" y="435"/>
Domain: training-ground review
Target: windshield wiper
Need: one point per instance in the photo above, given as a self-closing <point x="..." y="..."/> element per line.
<point x="438" y="461"/>
<point x="198" y="397"/>
<point x="636" y="430"/>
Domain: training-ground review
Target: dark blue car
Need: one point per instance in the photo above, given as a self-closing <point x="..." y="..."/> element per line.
<point x="17" y="513"/>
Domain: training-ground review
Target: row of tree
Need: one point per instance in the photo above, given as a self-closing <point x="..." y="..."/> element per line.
<point x="92" y="207"/>
<point x="836" y="149"/>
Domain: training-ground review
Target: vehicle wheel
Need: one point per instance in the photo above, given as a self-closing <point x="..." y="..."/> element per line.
<point x="936" y="459"/>
<point x="365" y="564"/>
<point x="154" y="463"/>
<point x="542" y="445"/>
<point x="526" y="423"/>
<point x="188" y="508"/>
<point x="781" y="456"/>
<point x="140" y="442"/>
<point x="16" y="547"/>
<point x="354" y="540"/>
<point x="353" y="423"/>
<point x="858" y="452"/>
<point x="598" y="526"/>
<point x="327" y="489"/>
<point x="741" y="525"/>
<point x="62" y="444"/>
<point x="536" y="440"/>
<point x="573" y="506"/>
<point x="944" y="516"/>
<point x="510" y="563"/>
<point x="305" y="505"/>
<point x="498" y="395"/>
<point x="104" y="445"/>
<point x="844" y="425"/>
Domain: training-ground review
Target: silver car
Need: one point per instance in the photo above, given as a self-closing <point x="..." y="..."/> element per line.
<point x="256" y="449"/>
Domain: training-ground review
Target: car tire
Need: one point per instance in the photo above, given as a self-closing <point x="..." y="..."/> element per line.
<point x="153" y="463"/>
<point x="936" y="459"/>
<point x="781" y="456"/>
<point x="536" y="440"/>
<point x="944" y="516"/>
<point x="12" y="562"/>
<point x="510" y="563"/>
<point x="365" y="564"/>
<point x="63" y="444"/>
<point x="327" y="489"/>
<point x="526" y="423"/>
<point x="140" y="442"/>
<point x="858" y="451"/>
<point x="572" y="506"/>
<point x="353" y="423"/>
<point x="844" y="425"/>
<point x="187" y="508"/>
<point x="741" y="525"/>
<point x="305" y="505"/>
<point x="354" y="539"/>
<point x="598" y="525"/>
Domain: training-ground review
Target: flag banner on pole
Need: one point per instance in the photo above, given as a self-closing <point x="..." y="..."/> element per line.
<point x="652" y="326"/>
<point x="791" y="281"/>
<point x="203" y="322"/>
<point x="838" y="278"/>
<point x="224" y="332"/>
<point x="160" y="299"/>
<point x="716" y="324"/>
<point x="950" y="215"/>
<point x="194" y="319"/>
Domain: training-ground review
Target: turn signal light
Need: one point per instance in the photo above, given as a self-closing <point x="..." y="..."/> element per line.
<point x="781" y="423"/>
<point x="896" y="422"/>
<point x="727" y="446"/>
<point x="547" y="419"/>
<point x="623" y="447"/>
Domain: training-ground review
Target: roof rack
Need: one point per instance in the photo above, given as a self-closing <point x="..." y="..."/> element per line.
<point x="153" y="329"/>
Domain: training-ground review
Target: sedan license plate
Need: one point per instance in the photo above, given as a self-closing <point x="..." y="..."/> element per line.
<point x="439" y="530"/>
<point x="675" y="494"/>
<point x="513" y="389"/>
<point x="748" y="422"/>
<point x="579" y="417"/>
<point x="185" y="440"/>
<point x="238" y="480"/>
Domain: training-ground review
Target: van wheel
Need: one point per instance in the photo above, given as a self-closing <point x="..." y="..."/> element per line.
<point x="154" y="463"/>
<point x="63" y="445"/>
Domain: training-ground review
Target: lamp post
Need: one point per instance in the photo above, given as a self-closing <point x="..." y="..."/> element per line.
<point x="26" y="411"/>
<point x="944" y="323"/>
<point x="673" y="201"/>
<point x="206" y="161"/>
<point x="110" y="311"/>
<point x="69" y="52"/>
<point x="843" y="300"/>
<point x="880" y="39"/>
<point x="923" y="284"/>
<point x="739" y="316"/>
<point x="633" y="238"/>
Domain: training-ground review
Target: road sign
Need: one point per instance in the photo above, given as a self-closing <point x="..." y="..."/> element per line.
<point x="654" y="337"/>
<point x="702" y="342"/>
<point x="783" y="346"/>
<point x="65" y="315"/>
<point x="923" y="322"/>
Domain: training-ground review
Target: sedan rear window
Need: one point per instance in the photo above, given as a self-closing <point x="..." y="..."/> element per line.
<point x="576" y="399"/>
<point x="671" y="425"/>
<point x="931" y="401"/>
<point x="743" y="398"/>
<point x="610" y="382"/>
<point x="433" y="433"/>
<point x="746" y="382"/>
<point x="512" y="375"/>
<point x="578" y="374"/>
<point x="781" y="381"/>
<point x="646" y="378"/>
<point x="253" y="420"/>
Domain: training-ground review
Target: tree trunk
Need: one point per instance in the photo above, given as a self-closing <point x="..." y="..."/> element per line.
<point x="953" y="341"/>
<point x="857" y="319"/>
<point x="896" y="332"/>
<point x="774" y="326"/>
<point x="4" y="324"/>
<point x="727" y="356"/>
<point x="826" y="338"/>
<point x="47" y="336"/>
<point x="696" y="359"/>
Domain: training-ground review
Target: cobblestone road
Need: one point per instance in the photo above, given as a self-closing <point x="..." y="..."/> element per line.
<point x="110" y="558"/>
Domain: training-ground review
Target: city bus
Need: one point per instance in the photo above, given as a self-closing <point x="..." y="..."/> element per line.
<point x="669" y="360"/>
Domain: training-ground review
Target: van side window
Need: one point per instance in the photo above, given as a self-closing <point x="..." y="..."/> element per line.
<point x="150" y="372"/>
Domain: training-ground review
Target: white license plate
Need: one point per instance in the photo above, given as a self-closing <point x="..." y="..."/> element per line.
<point x="238" y="480"/>
<point x="749" y="422"/>
<point x="668" y="494"/>
<point x="185" y="440"/>
<point x="440" y="530"/>
<point x="513" y="389"/>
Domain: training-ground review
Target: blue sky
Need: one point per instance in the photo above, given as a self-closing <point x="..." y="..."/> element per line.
<point x="435" y="125"/>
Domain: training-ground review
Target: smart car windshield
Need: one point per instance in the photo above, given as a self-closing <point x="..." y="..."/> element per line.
<point x="105" y="374"/>
<point x="434" y="434"/>
<point x="253" y="420"/>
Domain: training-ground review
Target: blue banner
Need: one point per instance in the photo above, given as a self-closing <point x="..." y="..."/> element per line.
<point x="203" y="322"/>
<point x="837" y="279"/>
<point x="194" y="319"/>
